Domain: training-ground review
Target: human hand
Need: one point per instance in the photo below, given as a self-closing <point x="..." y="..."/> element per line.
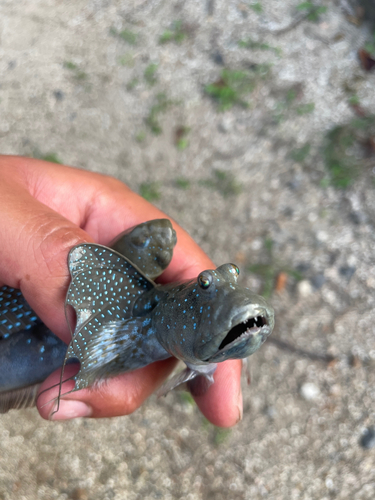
<point x="46" y="210"/>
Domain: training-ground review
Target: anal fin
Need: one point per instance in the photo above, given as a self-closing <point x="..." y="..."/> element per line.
<point x="203" y="374"/>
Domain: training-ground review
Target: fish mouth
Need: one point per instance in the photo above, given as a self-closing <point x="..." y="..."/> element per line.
<point x="244" y="330"/>
<point x="248" y="330"/>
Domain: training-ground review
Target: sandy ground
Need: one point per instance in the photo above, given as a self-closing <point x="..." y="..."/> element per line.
<point x="89" y="83"/>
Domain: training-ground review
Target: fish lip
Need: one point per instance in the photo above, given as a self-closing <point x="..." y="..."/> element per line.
<point x="244" y="316"/>
<point x="264" y="330"/>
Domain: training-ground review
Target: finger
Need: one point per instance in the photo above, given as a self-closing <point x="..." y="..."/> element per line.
<point x="113" y="397"/>
<point x="222" y="403"/>
<point x="35" y="241"/>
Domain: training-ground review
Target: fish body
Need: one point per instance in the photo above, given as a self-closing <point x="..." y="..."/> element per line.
<point x="126" y="321"/>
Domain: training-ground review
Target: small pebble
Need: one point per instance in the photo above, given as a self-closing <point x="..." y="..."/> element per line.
<point x="322" y="236"/>
<point x="317" y="281"/>
<point x="218" y="58"/>
<point x="58" y="95"/>
<point x="225" y="125"/>
<point x="335" y="390"/>
<point x="79" y="494"/>
<point x="367" y="440"/>
<point x="357" y="217"/>
<point x="271" y="412"/>
<point x="288" y="212"/>
<point x="347" y="271"/>
<point x="309" y="391"/>
<point x="304" y="288"/>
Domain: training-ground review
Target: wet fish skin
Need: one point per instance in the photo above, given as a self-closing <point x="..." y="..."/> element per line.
<point x="126" y="321"/>
<point x="192" y="322"/>
<point x="38" y="353"/>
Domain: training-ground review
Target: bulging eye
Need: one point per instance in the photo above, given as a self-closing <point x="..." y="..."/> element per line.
<point x="234" y="269"/>
<point x="141" y="241"/>
<point x="204" y="280"/>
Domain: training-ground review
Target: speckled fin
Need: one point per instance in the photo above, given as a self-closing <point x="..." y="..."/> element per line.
<point x="103" y="291"/>
<point x="102" y="279"/>
<point x="15" y="313"/>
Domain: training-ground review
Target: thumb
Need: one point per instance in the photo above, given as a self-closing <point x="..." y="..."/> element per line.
<point x="35" y="241"/>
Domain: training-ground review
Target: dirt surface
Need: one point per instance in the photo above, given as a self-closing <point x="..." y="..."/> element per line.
<point x="121" y="87"/>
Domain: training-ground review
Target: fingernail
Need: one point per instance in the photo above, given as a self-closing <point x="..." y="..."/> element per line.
<point x="240" y="407"/>
<point x="69" y="409"/>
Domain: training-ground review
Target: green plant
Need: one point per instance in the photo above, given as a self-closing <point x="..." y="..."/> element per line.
<point x="289" y="104"/>
<point x="270" y="269"/>
<point x="176" y="34"/>
<point x="77" y="73"/>
<point x="132" y="84"/>
<point x="252" y="44"/>
<point x="256" y="7"/>
<point x="182" y="183"/>
<point x="353" y="100"/>
<point x="140" y="136"/>
<point x="304" y="109"/>
<point x="127" y="60"/>
<point x="51" y="157"/>
<point x="345" y="149"/>
<point x="150" y="191"/>
<point x="233" y="85"/>
<point x="370" y="46"/>
<point x="223" y="182"/>
<point x="181" y="140"/>
<point x="311" y="10"/>
<point x="300" y="154"/>
<point x="221" y="435"/>
<point x="70" y="65"/>
<point x="186" y="398"/>
<point x="150" y="73"/>
<point x="160" y="105"/>
<point x="217" y="434"/>
<point x="291" y="95"/>
<point x="338" y="162"/>
<point x="126" y="35"/>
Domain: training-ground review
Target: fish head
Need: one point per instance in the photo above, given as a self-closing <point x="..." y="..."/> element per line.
<point x="149" y="246"/>
<point x="213" y="318"/>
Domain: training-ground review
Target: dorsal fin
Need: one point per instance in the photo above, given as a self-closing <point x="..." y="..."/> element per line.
<point x="103" y="291"/>
<point x="102" y="279"/>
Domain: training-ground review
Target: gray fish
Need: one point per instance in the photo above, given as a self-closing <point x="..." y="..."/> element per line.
<point x="125" y="321"/>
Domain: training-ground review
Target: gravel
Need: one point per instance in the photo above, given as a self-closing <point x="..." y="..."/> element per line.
<point x="73" y="89"/>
